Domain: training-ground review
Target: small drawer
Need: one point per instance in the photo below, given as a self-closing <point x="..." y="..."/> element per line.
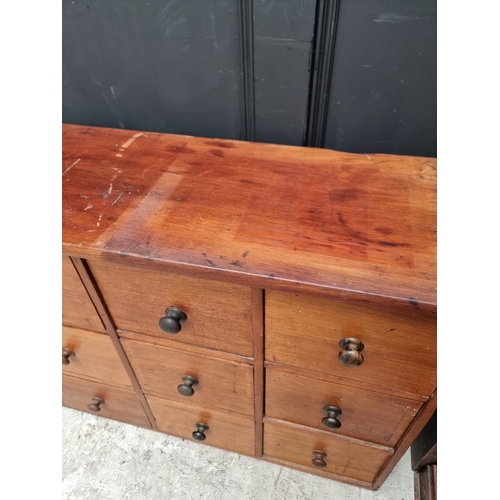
<point x="218" y="315"/>
<point x="191" y="378"/>
<point x="365" y="415"/>
<point x="229" y="431"/>
<point x="77" y="308"/>
<point x="392" y="350"/>
<point x="337" y="455"/>
<point x="92" y="356"/>
<point x="103" y="400"/>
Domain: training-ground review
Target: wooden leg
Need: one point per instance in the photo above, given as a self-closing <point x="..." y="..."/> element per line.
<point x="426" y="483"/>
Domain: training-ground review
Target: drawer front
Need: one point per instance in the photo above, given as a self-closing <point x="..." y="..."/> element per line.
<point x="118" y="404"/>
<point x="366" y="415"/>
<point x="345" y="458"/>
<point x="399" y="350"/>
<point x="218" y="314"/>
<point x="92" y="356"/>
<point x="229" y="431"/>
<point x="77" y="308"/>
<point x="220" y="384"/>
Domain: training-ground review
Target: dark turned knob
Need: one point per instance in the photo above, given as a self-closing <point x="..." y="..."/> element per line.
<point x="66" y="353"/>
<point x="351" y="352"/>
<point x="96" y="404"/>
<point x="319" y="459"/>
<point x="330" y="421"/>
<point x="186" y="389"/>
<point x="199" y="435"/>
<point x="171" y="323"/>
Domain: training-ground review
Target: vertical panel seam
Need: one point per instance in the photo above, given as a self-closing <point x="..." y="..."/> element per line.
<point x="325" y="34"/>
<point x="247" y="63"/>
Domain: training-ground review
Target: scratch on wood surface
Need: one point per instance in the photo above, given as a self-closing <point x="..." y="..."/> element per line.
<point x="119" y="155"/>
<point x="71" y="166"/>
<point x="369" y="157"/>
<point x="117" y="198"/>
<point x="88" y="207"/>
<point x="131" y="140"/>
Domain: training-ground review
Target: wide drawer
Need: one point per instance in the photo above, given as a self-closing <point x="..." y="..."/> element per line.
<point x="218" y="314"/>
<point x="343" y="457"/>
<point x="118" y="404"/>
<point x="225" y="430"/>
<point x="77" y="308"/>
<point x="92" y="356"/>
<point x="365" y="415"/>
<point x="399" y="349"/>
<point x="214" y="383"/>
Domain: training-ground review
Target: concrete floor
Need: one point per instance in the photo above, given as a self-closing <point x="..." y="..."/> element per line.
<point x="108" y="460"/>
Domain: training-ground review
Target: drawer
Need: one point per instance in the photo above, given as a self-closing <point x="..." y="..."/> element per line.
<point x="399" y="349"/>
<point x="229" y="431"/>
<point x="366" y="415"/>
<point x="218" y="314"/>
<point x="343" y="457"/>
<point x="77" y="308"/>
<point x="92" y="356"/>
<point x="220" y="384"/>
<point x="118" y="404"/>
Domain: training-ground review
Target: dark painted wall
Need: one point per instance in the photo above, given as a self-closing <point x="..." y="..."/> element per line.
<point x="351" y="75"/>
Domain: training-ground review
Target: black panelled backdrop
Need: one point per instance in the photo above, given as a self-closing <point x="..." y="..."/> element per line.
<point x="349" y="75"/>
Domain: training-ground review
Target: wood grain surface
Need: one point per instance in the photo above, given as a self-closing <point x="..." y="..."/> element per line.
<point x="95" y="358"/>
<point x="77" y="308"/>
<point x="221" y="384"/>
<point x="366" y="415"/>
<point x="228" y="431"/>
<point x="218" y="314"/>
<point x="119" y="404"/>
<point x="399" y="348"/>
<point x="345" y="458"/>
<point x="360" y="227"/>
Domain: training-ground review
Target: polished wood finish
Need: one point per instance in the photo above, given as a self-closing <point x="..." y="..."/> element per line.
<point x="94" y="358"/>
<point x="210" y="262"/>
<point x="96" y="297"/>
<point x="366" y="415"/>
<point x="118" y="404"/>
<point x="357" y="227"/>
<point x="221" y="384"/>
<point x="229" y="431"/>
<point x="219" y="314"/>
<point x="347" y="458"/>
<point x="399" y="349"/>
<point x="77" y="308"/>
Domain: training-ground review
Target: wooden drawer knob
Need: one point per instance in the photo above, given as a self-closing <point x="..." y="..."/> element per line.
<point x="351" y="352"/>
<point x="171" y="322"/>
<point x="95" y="406"/>
<point x="66" y="353"/>
<point x="186" y="388"/>
<point x="330" y="421"/>
<point x="199" y="434"/>
<point x="319" y="459"/>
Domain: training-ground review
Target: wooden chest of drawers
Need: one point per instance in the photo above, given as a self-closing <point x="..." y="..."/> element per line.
<point x="274" y="301"/>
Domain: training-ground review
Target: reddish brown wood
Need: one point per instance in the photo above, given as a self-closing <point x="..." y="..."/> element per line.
<point x="118" y="404"/>
<point x="258" y="365"/>
<point x="348" y="458"/>
<point x="100" y="306"/>
<point x="408" y="438"/>
<point x="94" y="358"/>
<point x="218" y="314"/>
<point x="399" y="349"/>
<point x="221" y="384"/>
<point x="275" y="216"/>
<point x="77" y="308"/>
<point x="366" y="415"/>
<point x="229" y="431"/>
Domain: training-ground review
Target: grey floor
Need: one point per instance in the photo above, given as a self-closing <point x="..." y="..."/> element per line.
<point x="104" y="459"/>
